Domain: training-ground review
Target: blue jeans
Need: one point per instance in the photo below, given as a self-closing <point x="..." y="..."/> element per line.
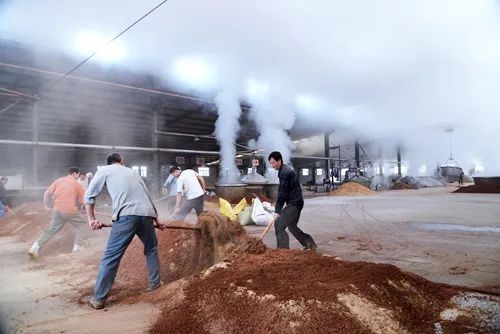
<point x="122" y="233"/>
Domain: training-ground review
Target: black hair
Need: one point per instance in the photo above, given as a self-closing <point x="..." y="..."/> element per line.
<point x="4" y="178"/>
<point x="113" y="158"/>
<point x="73" y="170"/>
<point x="174" y="168"/>
<point x="276" y="156"/>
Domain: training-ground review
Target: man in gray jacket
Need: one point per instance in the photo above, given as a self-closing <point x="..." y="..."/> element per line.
<point x="133" y="213"/>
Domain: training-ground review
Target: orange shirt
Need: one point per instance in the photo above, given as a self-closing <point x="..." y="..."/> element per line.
<point x="67" y="194"/>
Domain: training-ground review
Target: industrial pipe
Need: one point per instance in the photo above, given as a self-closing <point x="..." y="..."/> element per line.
<point x="131" y="148"/>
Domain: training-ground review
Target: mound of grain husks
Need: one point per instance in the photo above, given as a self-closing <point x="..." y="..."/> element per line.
<point x="283" y="291"/>
<point x="352" y="188"/>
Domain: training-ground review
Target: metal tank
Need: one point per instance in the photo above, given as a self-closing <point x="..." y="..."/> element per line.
<point x="232" y="192"/>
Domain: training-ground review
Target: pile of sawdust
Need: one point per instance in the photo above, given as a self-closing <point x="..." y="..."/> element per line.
<point x="29" y="221"/>
<point x="352" y="188"/>
<point x="401" y="186"/>
<point x="185" y="252"/>
<point x="302" y="292"/>
<point x="480" y="189"/>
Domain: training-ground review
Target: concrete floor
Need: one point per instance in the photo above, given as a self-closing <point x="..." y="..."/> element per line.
<point x="387" y="227"/>
<point x="39" y="297"/>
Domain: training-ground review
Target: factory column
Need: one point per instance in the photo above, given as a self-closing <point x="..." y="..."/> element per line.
<point x="36" y="148"/>
<point x="327" y="154"/>
<point x="399" y="161"/>
<point x="380" y="161"/>
<point x="156" y="158"/>
<point x="356" y="155"/>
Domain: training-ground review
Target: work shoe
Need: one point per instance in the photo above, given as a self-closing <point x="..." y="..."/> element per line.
<point x="311" y="247"/>
<point x="33" y="252"/>
<point x="96" y="304"/>
<point x="155" y="286"/>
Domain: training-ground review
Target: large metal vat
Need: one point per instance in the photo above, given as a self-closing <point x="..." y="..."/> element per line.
<point x="232" y="192"/>
<point x="271" y="190"/>
<point x="450" y="173"/>
<point x="255" y="183"/>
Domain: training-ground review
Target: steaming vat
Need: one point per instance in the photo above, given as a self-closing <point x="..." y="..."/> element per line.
<point x="232" y="192"/>
<point x="255" y="183"/>
<point x="450" y="173"/>
<point x="271" y="190"/>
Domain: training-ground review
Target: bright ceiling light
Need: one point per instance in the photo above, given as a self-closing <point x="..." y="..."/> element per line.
<point x="194" y="72"/>
<point x="88" y="42"/>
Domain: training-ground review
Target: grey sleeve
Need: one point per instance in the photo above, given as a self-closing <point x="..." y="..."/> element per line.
<point x="95" y="187"/>
<point x="141" y="181"/>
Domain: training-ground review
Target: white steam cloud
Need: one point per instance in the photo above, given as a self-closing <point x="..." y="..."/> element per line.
<point x="226" y="131"/>
<point x="397" y="72"/>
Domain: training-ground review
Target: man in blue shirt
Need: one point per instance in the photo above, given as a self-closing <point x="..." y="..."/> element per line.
<point x="171" y="185"/>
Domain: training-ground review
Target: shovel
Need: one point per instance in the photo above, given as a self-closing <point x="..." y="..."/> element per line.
<point x="267" y="228"/>
<point x="172" y="227"/>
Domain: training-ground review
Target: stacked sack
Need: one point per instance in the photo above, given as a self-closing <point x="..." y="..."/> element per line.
<point x="259" y="213"/>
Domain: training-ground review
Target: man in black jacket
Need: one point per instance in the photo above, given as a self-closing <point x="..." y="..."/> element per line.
<point x="289" y="193"/>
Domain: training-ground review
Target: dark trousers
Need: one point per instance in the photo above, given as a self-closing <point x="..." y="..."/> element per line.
<point x="289" y="218"/>
<point x="186" y="206"/>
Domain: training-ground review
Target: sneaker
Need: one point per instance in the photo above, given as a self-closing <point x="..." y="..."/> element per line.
<point x="155" y="286"/>
<point x="96" y="304"/>
<point x="33" y="252"/>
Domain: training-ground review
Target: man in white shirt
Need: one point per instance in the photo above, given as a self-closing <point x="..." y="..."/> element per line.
<point x="191" y="186"/>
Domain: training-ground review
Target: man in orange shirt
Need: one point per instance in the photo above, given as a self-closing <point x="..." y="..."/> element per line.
<point x="67" y="196"/>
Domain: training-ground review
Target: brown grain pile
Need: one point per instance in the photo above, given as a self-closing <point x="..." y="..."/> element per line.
<point x="186" y="252"/>
<point x="302" y="292"/>
<point x="352" y="188"/>
<point x="401" y="186"/>
<point x="29" y="221"/>
<point x="480" y="188"/>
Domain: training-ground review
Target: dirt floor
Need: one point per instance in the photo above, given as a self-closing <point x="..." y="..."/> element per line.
<point x="444" y="237"/>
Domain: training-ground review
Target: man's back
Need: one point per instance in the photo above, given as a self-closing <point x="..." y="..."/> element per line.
<point x="290" y="191"/>
<point x="67" y="194"/>
<point x="126" y="188"/>
<point x="188" y="184"/>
